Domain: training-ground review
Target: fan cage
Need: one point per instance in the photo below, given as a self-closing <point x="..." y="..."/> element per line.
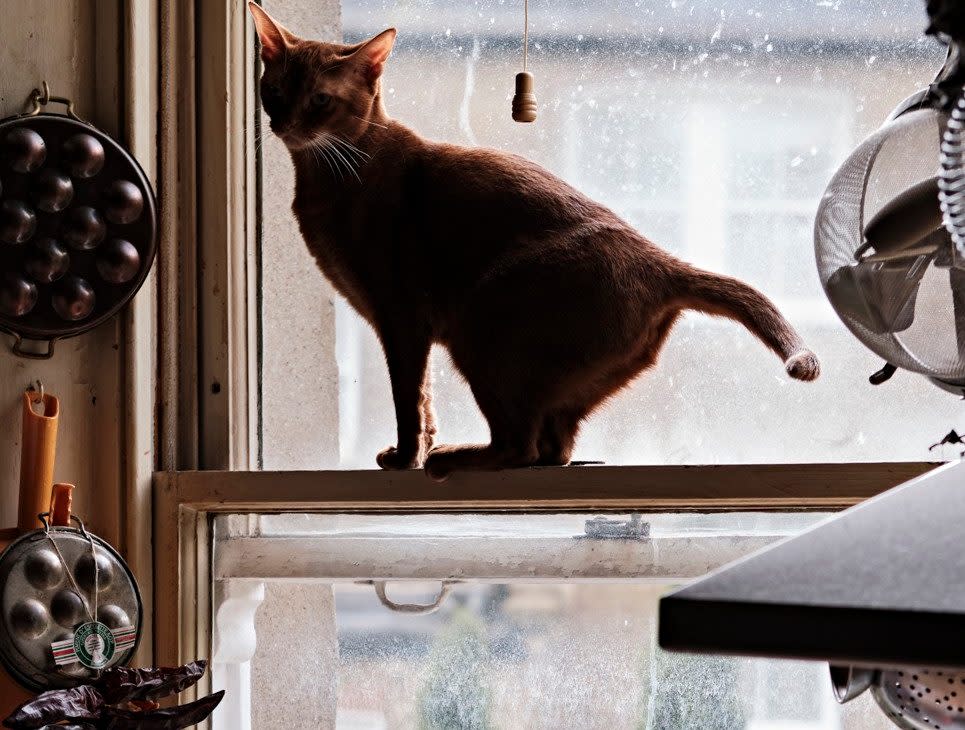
<point x="910" y="312"/>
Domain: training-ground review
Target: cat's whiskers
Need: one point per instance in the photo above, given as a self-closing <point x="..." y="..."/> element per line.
<point x="362" y="154"/>
<point x="340" y="152"/>
<point x="335" y="163"/>
<point x="354" y="154"/>
<point x="319" y="157"/>
<point x="318" y="152"/>
<point x="369" y="121"/>
<point x="337" y="151"/>
<point x="323" y="143"/>
<point x="261" y="137"/>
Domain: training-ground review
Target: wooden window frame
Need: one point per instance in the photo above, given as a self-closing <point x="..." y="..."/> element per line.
<point x="185" y="503"/>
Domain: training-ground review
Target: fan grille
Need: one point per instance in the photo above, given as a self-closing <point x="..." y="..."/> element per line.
<point x="903" y="310"/>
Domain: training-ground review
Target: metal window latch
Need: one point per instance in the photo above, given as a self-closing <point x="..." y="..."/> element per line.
<point x="601" y="528"/>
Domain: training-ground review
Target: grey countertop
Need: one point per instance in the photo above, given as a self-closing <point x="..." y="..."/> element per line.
<point x="880" y="584"/>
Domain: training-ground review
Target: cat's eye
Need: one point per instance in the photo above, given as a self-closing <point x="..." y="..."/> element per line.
<point x="320" y="100"/>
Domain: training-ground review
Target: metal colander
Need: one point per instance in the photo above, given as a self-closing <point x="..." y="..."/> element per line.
<point x="887" y="264"/>
<point x="915" y="699"/>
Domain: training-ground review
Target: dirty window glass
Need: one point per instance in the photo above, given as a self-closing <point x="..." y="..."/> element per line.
<point x="713" y="127"/>
<point x="551" y="623"/>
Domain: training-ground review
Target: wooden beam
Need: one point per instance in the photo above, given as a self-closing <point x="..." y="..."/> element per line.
<point x="637" y="488"/>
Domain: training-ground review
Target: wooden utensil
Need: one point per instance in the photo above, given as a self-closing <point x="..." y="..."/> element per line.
<point x="41" y="412"/>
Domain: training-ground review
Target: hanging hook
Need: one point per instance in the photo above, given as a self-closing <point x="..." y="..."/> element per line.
<point x="37" y="387"/>
<point x="41" y="97"/>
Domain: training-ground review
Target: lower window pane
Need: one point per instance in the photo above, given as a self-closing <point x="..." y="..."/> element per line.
<point x="558" y="655"/>
<point x="549" y="622"/>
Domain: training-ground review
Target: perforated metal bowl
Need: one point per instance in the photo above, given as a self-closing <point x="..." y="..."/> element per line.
<point x="39" y="606"/>
<point x="915" y="699"/>
<point x="78" y="226"/>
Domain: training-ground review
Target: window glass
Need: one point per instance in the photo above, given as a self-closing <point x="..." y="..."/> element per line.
<point x="549" y="624"/>
<point x="713" y="127"/>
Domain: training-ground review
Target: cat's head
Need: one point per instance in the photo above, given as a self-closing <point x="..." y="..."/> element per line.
<point x="311" y="89"/>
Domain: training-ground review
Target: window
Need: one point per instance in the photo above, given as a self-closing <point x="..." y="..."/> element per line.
<point x="714" y="129"/>
<point x="548" y="624"/>
<point x="273" y="574"/>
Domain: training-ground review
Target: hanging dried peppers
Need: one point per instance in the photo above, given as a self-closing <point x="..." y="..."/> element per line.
<point x="79" y="703"/>
<point x="120" y="699"/>
<point x="124" y="684"/>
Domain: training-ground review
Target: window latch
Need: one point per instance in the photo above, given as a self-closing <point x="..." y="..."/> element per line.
<point x="601" y="528"/>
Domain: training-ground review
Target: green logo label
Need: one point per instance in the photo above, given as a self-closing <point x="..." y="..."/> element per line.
<point x="94" y="644"/>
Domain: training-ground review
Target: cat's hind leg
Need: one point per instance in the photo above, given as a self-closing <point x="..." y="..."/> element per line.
<point x="558" y="436"/>
<point x="588" y="389"/>
<point x="514" y="428"/>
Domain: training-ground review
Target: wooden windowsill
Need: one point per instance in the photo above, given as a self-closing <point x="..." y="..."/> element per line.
<point x="184" y="503"/>
<point x="611" y="488"/>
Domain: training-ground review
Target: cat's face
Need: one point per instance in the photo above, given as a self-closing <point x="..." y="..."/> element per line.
<point x="312" y="91"/>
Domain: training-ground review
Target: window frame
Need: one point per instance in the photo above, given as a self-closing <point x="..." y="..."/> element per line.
<point x="207" y="368"/>
<point x="186" y="502"/>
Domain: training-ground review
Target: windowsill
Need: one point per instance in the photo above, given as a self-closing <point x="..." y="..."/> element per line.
<point x="595" y="488"/>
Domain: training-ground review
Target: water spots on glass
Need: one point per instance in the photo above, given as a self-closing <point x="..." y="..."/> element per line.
<point x="715" y="136"/>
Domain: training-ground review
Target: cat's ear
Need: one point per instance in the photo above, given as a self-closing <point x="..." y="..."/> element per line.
<point x="374" y="52"/>
<point x="274" y="37"/>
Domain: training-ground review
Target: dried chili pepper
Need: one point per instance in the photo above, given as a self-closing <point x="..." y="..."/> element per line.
<point x="172" y="718"/>
<point x="92" y="707"/>
<point x="59" y="705"/>
<point x="124" y="684"/>
<point x="143" y="705"/>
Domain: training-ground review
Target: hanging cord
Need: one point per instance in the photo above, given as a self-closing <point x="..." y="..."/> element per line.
<point x="524" y="101"/>
<point x="525" y="32"/>
<point x="92" y="613"/>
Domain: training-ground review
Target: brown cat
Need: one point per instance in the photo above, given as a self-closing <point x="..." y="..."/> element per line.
<point x="547" y="301"/>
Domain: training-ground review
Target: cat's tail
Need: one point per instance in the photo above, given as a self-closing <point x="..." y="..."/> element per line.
<point x="728" y="297"/>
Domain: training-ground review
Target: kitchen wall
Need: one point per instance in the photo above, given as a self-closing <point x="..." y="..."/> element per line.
<point x="74" y="45"/>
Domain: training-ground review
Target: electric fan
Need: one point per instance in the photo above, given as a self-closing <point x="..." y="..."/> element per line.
<point x="890" y="235"/>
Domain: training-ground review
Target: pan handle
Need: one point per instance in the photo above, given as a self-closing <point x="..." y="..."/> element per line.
<point x="19" y="351"/>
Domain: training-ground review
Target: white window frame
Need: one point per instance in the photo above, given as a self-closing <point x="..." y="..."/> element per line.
<point x="206" y="324"/>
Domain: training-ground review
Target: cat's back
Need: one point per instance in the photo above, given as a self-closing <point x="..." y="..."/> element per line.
<point x="510" y="186"/>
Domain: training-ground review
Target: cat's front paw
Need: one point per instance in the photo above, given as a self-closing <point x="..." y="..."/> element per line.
<point x="392" y="458"/>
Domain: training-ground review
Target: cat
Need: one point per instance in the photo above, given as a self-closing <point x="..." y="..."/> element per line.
<point x="547" y="301"/>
